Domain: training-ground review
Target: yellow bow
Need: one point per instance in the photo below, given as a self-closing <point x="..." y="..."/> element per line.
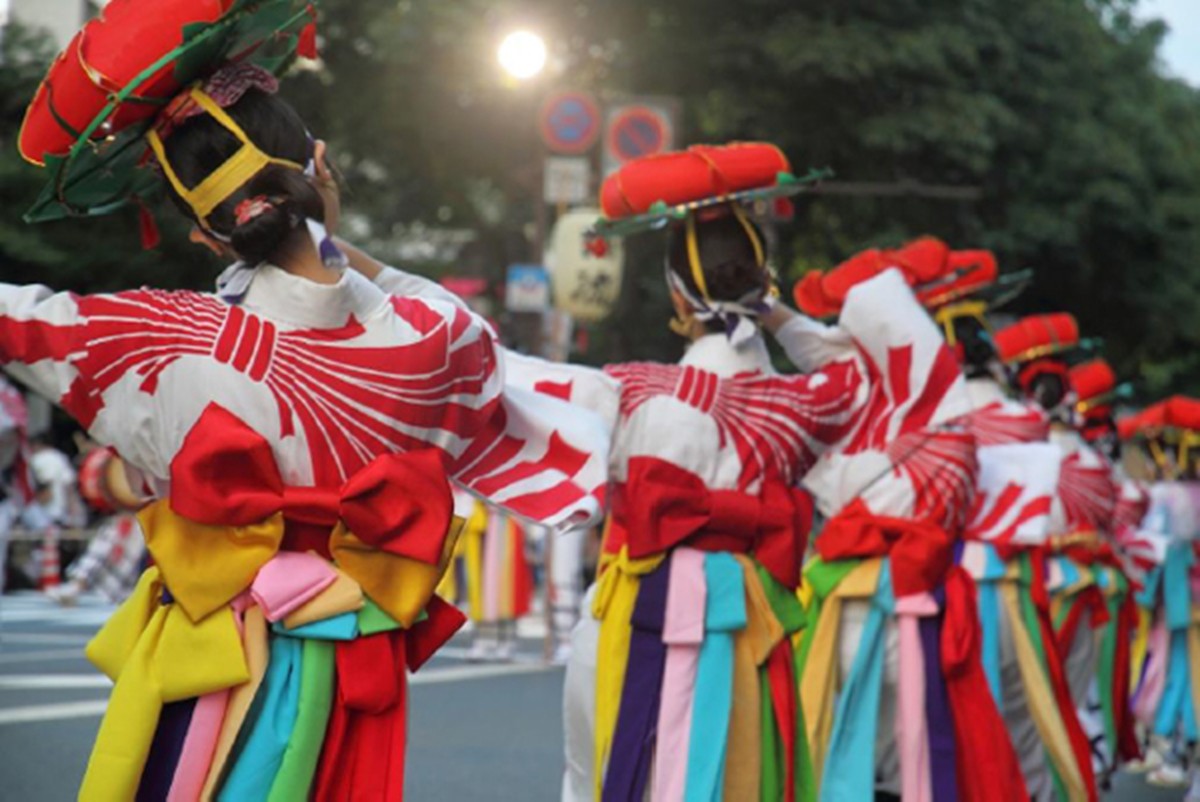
<point x="155" y="653"/>
<point x="206" y="567"/>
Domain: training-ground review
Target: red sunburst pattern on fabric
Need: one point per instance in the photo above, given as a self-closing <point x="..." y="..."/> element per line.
<point x="351" y="401"/>
<point x="997" y="517"/>
<point x="895" y="406"/>
<point x="941" y="466"/>
<point x="1002" y="423"/>
<point x="778" y="424"/>
<point x="1086" y="492"/>
<point x="1133" y="502"/>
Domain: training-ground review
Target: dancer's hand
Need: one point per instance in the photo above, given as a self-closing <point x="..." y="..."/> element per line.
<point x="327" y="186"/>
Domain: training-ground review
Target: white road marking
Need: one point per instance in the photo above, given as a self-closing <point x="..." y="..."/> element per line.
<point x="67" y="710"/>
<point x="91" y="709"/>
<point x="38" y="637"/>
<point x="33" y="657"/>
<point x="40" y="682"/>
<point x="465" y="673"/>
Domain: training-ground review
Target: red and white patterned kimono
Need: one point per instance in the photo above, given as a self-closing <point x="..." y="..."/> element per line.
<point x="300" y="390"/>
<point x="885" y="595"/>
<point x="706" y="458"/>
<point x="1007" y="534"/>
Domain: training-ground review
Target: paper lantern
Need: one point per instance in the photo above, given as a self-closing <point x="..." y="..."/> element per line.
<point x="586" y="281"/>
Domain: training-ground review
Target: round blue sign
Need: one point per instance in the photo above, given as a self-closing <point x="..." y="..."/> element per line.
<point x="570" y="123"/>
<point x="637" y="132"/>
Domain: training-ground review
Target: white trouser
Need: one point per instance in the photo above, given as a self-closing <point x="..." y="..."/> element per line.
<point x="579" y="706"/>
<point x="566" y="576"/>
<point x="1018" y="719"/>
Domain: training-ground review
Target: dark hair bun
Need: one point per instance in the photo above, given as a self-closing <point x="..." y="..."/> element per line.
<point x="292" y="198"/>
<point x="201" y="145"/>
<point x="727" y="256"/>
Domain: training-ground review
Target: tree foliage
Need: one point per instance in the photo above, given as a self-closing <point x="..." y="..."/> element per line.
<point x="1087" y="158"/>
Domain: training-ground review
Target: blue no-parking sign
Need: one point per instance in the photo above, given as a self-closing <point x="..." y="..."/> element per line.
<point x="636" y="129"/>
<point x="570" y="123"/>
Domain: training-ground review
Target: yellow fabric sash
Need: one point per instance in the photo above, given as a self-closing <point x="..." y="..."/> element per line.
<point x="819" y="684"/>
<point x="1040" y="697"/>
<point x="207" y="566"/>
<point x="751" y="648"/>
<point x="1141" y="643"/>
<point x="616" y="594"/>
<point x="155" y="654"/>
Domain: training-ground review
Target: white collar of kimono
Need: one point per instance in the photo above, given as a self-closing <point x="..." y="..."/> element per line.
<point x="716" y="354"/>
<point x="300" y="302"/>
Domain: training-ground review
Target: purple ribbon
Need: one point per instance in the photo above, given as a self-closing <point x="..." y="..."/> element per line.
<point x="632" y="753"/>
<point x="165" y="751"/>
<point x="942" y="754"/>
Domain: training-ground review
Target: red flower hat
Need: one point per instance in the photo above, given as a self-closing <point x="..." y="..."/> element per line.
<point x="649" y="192"/>
<point x="86" y="122"/>
<point x="1177" y="412"/>
<point x="1037" y="336"/>
<point x="937" y="275"/>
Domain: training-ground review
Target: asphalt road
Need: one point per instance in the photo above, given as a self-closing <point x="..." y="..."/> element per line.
<point x="490" y="733"/>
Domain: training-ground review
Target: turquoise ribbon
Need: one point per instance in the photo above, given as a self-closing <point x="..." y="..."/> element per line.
<point x="989" y="620"/>
<point x="850" y="763"/>
<point x="1149" y="592"/>
<point x="271" y="720"/>
<point x="1175" y="708"/>
<point x="724" y="614"/>
<point x="341" y="627"/>
<point x="1177" y="596"/>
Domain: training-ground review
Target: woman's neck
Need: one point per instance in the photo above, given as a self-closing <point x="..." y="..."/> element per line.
<point x="304" y="261"/>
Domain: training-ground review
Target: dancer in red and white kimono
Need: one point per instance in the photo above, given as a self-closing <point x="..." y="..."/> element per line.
<point x="1018" y="471"/>
<point x="1168" y="644"/>
<point x="1112" y="607"/>
<point x="300" y="431"/>
<point x="1037" y="348"/>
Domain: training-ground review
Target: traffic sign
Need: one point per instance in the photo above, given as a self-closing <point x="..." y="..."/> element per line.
<point x="638" y="129"/>
<point x="567" y="179"/>
<point x="570" y="123"/>
<point x="527" y="289"/>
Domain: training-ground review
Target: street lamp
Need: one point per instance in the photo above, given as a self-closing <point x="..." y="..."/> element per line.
<point x="522" y="54"/>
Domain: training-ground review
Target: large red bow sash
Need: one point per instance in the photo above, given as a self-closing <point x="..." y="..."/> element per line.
<point x="664" y="505"/>
<point x="226" y="475"/>
<point x="921" y="552"/>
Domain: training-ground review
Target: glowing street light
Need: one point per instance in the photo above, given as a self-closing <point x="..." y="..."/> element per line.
<point x="522" y="54"/>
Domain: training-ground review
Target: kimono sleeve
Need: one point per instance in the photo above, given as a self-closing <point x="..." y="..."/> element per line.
<point x="578" y="385"/>
<point x="399" y="283"/>
<point x="810" y="344"/>
<point x="529" y="453"/>
<point x="38" y="334"/>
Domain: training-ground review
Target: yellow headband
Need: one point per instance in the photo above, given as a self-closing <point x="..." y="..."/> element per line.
<point x="693" y="248"/>
<point x="230" y="176"/>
